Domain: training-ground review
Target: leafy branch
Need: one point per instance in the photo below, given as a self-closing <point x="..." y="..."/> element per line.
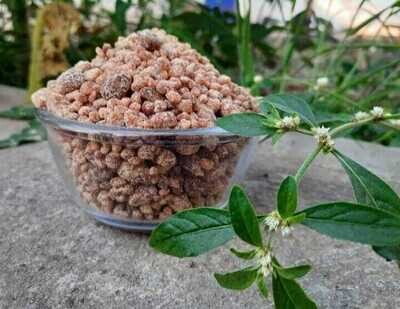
<point x="32" y="132"/>
<point x="373" y="219"/>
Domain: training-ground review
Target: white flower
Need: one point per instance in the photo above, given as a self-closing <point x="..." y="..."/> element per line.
<point x="321" y="83"/>
<point x="320" y="132"/>
<point x="272" y="221"/>
<point x="395" y="122"/>
<point x="323" y="137"/>
<point x="244" y="7"/>
<point x="286" y="230"/>
<point x="377" y="112"/>
<point x="258" y="78"/>
<point x="322" y="27"/>
<point x="361" y="116"/>
<point x="265" y="261"/>
<point x="289" y="122"/>
<point x="373" y="49"/>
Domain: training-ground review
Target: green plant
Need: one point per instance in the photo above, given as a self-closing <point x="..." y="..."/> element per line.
<point x="14" y="43"/>
<point x="373" y="219"/>
<point x="339" y="72"/>
<point x="32" y="132"/>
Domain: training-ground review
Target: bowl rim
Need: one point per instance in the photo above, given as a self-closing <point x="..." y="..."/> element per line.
<point x="49" y="118"/>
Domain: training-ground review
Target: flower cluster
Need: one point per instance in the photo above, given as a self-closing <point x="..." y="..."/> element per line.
<point x="396" y="123"/>
<point x="323" y="137"/>
<point x="288" y="123"/>
<point x="359" y="116"/>
<point x="321" y="83"/>
<point x="258" y="78"/>
<point x="377" y="112"/>
<point x="274" y="222"/>
<point x="264" y="258"/>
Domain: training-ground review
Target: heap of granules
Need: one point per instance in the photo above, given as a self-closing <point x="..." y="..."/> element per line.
<point x="148" y="80"/>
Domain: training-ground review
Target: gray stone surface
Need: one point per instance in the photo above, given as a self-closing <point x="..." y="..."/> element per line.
<point x="53" y="256"/>
<point x="10" y="96"/>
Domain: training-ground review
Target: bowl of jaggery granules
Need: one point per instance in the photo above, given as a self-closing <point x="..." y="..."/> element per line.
<point x="133" y="130"/>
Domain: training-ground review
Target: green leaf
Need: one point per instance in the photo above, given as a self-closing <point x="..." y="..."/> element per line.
<point x="287" y="197"/>
<point x="270" y="122"/>
<point x="389" y="253"/>
<point x="269" y="109"/>
<point x="326" y="117"/>
<point x="262" y="286"/>
<point x="288" y="294"/>
<point x="245" y="124"/>
<point x="192" y="232"/>
<point x="238" y="280"/>
<point x="244" y="218"/>
<point x="19" y="113"/>
<point x="372" y="18"/>
<point x="34" y="132"/>
<point x="281" y="299"/>
<point x="119" y="16"/>
<point x="293" y="272"/>
<point x="276" y="137"/>
<point x="363" y="78"/>
<point x="245" y="255"/>
<point x="291" y="104"/>
<point x="296" y="219"/>
<point x="354" y="222"/>
<point x="368" y="188"/>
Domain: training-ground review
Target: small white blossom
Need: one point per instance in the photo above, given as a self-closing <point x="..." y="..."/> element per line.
<point x="258" y="78"/>
<point x="321" y="83"/>
<point x="265" y="261"/>
<point x="272" y="221"/>
<point x="322" y="27"/>
<point x="323" y="137"/>
<point x="288" y="122"/>
<point x="286" y="230"/>
<point x="244" y="7"/>
<point x="320" y="132"/>
<point x="266" y="270"/>
<point x="373" y="49"/>
<point x="377" y="112"/>
<point x="361" y="116"/>
<point x="395" y="122"/>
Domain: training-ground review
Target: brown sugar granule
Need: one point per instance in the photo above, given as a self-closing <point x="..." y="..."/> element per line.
<point x="115" y="86"/>
<point x="70" y="80"/>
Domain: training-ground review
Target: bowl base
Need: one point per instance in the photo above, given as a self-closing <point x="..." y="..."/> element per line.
<point x="143" y="227"/>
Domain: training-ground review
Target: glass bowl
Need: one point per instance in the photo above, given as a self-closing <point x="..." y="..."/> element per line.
<point x="134" y="178"/>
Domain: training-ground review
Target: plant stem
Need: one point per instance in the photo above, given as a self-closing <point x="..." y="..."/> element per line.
<point x="354" y="124"/>
<point x="304" y="131"/>
<point x="246" y="64"/>
<point x="350" y="125"/>
<point x="307" y="162"/>
<point x="301" y="171"/>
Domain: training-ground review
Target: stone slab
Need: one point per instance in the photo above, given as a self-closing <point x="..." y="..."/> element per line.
<point x="9" y="97"/>
<point x="53" y="256"/>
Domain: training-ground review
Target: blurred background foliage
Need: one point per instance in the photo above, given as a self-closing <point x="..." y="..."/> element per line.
<point x="292" y="54"/>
